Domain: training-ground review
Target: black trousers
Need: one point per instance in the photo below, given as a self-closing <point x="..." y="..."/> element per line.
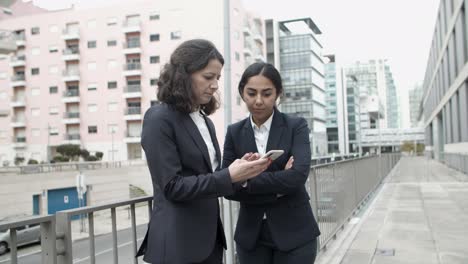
<point x="266" y="252"/>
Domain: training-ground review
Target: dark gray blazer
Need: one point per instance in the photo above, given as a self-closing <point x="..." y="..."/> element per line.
<point x="185" y="217"/>
<point x="290" y="216"/>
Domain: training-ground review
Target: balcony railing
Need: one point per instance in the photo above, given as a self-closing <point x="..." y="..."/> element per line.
<point x="16" y="78"/>
<point x="132" y="66"/>
<point x="133" y="134"/>
<point x="19" y="37"/>
<point x="71" y="137"/>
<point x="337" y="190"/>
<point x="20" y="139"/>
<point x="134" y="88"/>
<point x="71" y="93"/>
<point x="71" y="51"/>
<point x="458" y="161"/>
<point x="18" y="58"/>
<point x="68" y="73"/>
<point x="132" y="44"/>
<point x="71" y="115"/>
<point x="132" y="111"/>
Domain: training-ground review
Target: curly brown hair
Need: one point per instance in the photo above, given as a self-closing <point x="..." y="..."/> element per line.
<point x="175" y="83"/>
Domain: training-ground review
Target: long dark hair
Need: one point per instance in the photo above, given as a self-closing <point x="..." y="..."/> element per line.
<point x="265" y="69"/>
<point x="175" y="83"/>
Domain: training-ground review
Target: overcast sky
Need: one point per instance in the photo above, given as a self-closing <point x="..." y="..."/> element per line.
<point x="397" y="30"/>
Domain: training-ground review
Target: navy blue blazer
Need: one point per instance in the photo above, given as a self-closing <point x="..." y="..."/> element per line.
<point x="185" y="217"/>
<point x="290" y="216"/>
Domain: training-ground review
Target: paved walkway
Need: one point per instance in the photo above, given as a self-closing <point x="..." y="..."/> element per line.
<point x="420" y="215"/>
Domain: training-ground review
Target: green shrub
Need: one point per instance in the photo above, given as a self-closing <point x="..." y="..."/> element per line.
<point x="99" y="155"/>
<point x="19" y="160"/>
<point x="33" y="161"/>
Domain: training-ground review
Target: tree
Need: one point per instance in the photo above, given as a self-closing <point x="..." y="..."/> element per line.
<point x="18" y="160"/>
<point x="99" y="155"/>
<point x="69" y="151"/>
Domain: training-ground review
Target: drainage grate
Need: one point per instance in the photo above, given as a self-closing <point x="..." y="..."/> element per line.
<point x="384" y="252"/>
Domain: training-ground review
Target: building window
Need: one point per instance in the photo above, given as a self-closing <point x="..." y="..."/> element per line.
<point x="112" y="106"/>
<point x="53" y="49"/>
<point x="53" y="110"/>
<point x="92" y="87"/>
<point x="92" y="23"/>
<point x="154" y="37"/>
<point x="154" y="59"/>
<point x="53" y="89"/>
<point x="35" y="31"/>
<point x="237" y="56"/>
<point x="53" y="28"/>
<point x="176" y="35"/>
<point x="35" y="111"/>
<point x="111" y="43"/>
<point x="154" y="16"/>
<point x="92" y="129"/>
<point x="153" y="82"/>
<point x="92" y="108"/>
<point x="111" y="21"/>
<point x="112" y="85"/>
<point x="35" y="71"/>
<point x="35" y="91"/>
<point x="36" y="51"/>
<point x="53" y="131"/>
<point x="92" y="66"/>
<point x="35" y="132"/>
<point x="92" y="44"/>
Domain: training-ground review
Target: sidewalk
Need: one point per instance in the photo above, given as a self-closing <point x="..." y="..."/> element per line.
<point x="420" y="215"/>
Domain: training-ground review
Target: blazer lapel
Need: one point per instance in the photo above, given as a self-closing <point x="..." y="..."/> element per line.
<point x="193" y="131"/>
<point x="276" y="131"/>
<point x="214" y="139"/>
<point x="248" y="138"/>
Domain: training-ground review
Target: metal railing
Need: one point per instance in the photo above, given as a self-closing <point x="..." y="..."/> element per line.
<point x="132" y="44"/>
<point x="339" y="189"/>
<point x="132" y="66"/>
<point x="71" y="137"/>
<point x="16" y="78"/>
<point x="68" y="166"/>
<point x="71" y="51"/>
<point x="132" y="110"/>
<point x="132" y="88"/>
<point x="458" y="161"/>
<point x="63" y="226"/>
<point x="71" y="93"/>
<point x="71" y="115"/>
<point x="49" y="250"/>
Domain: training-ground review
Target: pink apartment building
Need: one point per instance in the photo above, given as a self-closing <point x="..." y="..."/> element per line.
<point x="86" y="76"/>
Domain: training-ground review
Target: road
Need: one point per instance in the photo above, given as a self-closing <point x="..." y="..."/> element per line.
<point x="32" y="254"/>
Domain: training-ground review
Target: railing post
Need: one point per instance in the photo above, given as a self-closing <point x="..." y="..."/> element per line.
<point x="48" y="242"/>
<point x="64" y="238"/>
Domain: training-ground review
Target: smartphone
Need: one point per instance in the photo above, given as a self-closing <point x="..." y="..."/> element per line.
<point x="273" y="154"/>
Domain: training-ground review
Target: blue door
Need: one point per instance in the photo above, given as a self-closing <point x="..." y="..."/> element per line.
<point x="36" y="204"/>
<point x="63" y="199"/>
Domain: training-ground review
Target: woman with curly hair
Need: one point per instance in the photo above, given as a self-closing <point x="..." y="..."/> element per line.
<point x="184" y="160"/>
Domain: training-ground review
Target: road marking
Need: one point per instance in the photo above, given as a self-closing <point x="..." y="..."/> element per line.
<point x="105" y="251"/>
<point x="21" y="256"/>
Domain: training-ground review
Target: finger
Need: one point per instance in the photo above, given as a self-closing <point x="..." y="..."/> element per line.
<point x="247" y="156"/>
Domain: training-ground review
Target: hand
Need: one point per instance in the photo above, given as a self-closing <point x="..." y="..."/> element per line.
<point x="251" y="156"/>
<point x="289" y="164"/>
<point x="241" y="170"/>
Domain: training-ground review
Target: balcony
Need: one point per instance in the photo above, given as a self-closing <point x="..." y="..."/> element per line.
<point x="132" y="69"/>
<point x="18" y="61"/>
<point x="71" y="75"/>
<point x="20" y="39"/>
<point x="72" y="138"/>
<point x="71" y="118"/>
<point x="7" y="42"/>
<point x="131" y="26"/>
<point x="132" y="47"/>
<point x="132" y="137"/>
<point x="18" y="80"/>
<point x="247" y="31"/>
<point x="71" y="96"/>
<point x="70" y="54"/>
<point x="70" y="34"/>
<point x="19" y="142"/>
<point x="132" y="113"/>
<point x="132" y="91"/>
<point x="18" y="102"/>
<point x="258" y="37"/>
<point x="18" y="122"/>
